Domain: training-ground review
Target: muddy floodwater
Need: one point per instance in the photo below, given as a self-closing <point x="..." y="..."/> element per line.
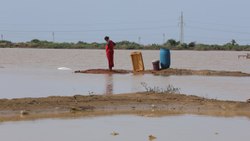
<point x="174" y="128"/>
<point x="35" y="73"/>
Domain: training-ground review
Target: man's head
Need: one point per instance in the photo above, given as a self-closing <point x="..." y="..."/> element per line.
<point x="106" y="38"/>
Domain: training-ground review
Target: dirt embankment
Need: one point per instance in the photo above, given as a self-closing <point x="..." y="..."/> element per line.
<point x="168" y="72"/>
<point x="143" y="104"/>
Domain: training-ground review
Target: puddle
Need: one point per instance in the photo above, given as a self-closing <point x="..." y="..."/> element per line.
<point x="174" y="128"/>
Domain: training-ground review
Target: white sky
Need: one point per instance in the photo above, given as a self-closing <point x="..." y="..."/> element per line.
<point x="206" y="21"/>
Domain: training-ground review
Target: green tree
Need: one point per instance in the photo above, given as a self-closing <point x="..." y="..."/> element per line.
<point x="233" y="42"/>
<point x="191" y="44"/>
<point x="171" y="42"/>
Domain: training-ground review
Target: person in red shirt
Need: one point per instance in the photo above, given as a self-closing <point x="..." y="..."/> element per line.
<point x="110" y="52"/>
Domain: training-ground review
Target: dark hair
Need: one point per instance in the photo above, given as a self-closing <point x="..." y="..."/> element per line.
<point x="106" y="38"/>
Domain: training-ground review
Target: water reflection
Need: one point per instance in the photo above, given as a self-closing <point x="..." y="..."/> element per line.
<point x="109" y="84"/>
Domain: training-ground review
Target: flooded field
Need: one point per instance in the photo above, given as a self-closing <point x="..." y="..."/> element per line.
<point x="174" y="128"/>
<point x="89" y="59"/>
<point x="41" y="73"/>
<point x="34" y="73"/>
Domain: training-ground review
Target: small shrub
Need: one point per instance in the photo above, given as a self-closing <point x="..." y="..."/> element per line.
<point x="170" y="89"/>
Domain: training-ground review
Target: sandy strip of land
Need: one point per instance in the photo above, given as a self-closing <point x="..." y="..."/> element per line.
<point x="142" y="104"/>
<point x="168" y="72"/>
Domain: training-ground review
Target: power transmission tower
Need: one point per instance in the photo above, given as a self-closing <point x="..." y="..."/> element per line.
<point x="164" y="37"/>
<point x="139" y="40"/>
<point x="182" y="29"/>
<point x="53" y="35"/>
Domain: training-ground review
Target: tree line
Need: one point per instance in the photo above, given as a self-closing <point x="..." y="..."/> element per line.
<point x="170" y="44"/>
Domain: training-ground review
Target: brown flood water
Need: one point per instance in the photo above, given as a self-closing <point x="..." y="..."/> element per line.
<point x="174" y="128"/>
<point x="89" y="59"/>
<point x="34" y="73"/>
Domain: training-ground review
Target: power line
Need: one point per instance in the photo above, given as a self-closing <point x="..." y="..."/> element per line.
<point x="92" y="24"/>
<point x="93" y="30"/>
<point x="217" y="30"/>
<point x="218" y="24"/>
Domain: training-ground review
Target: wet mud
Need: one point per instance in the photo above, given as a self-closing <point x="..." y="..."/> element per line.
<point x="142" y="104"/>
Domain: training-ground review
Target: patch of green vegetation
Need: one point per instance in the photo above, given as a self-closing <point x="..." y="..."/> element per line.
<point x="170" y="44"/>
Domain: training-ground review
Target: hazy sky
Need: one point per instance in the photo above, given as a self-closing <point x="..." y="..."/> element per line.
<point x="206" y="21"/>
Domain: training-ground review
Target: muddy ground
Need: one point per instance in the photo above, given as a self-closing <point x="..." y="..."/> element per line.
<point x="142" y="104"/>
<point x="170" y="71"/>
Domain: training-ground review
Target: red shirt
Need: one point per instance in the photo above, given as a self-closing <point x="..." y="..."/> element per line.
<point x="110" y="46"/>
